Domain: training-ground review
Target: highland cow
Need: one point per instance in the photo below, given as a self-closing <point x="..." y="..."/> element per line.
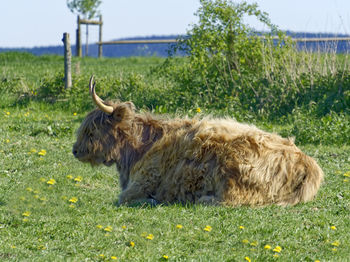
<point x="209" y="160"/>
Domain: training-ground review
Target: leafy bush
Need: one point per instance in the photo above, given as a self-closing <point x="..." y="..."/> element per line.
<point x="226" y="64"/>
<point x="233" y="69"/>
<point x="130" y="87"/>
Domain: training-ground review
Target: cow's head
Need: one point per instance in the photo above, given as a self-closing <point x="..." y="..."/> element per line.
<point x="102" y="131"/>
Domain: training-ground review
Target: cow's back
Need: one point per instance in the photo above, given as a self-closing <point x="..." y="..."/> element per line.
<point x="228" y="162"/>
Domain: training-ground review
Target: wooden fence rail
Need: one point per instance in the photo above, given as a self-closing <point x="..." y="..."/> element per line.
<point x="322" y="39"/>
<point x="318" y="39"/>
<point x="151" y="41"/>
<point x="165" y="41"/>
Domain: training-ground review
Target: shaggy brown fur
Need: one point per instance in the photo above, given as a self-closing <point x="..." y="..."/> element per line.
<point x="216" y="161"/>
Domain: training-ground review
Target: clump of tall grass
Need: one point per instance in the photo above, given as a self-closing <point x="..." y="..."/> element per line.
<point x="317" y="80"/>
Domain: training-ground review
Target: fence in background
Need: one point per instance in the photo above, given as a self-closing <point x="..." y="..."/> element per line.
<point x="164" y="41"/>
<point x="87" y="23"/>
<point x="322" y="39"/>
<point x="100" y="43"/>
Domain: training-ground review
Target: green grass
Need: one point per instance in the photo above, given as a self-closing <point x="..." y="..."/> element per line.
<point x="59" y="230"/>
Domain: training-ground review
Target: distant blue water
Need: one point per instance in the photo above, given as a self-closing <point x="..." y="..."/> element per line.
<point x="127" y="50"/>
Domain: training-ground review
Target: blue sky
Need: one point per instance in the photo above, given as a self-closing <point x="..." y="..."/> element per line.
<point x="42" y="22"/>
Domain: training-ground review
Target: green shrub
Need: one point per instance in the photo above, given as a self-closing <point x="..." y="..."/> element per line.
<point x="130" y="87"/>
<point x="231" y="68"/>
<point x="227" y="62"/>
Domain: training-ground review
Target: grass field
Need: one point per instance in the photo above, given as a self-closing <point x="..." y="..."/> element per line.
<point x="54" y="208"/>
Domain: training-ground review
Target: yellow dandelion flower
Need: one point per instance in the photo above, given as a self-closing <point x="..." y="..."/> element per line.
<point x="73" y="200"/>
<point x="42" y="152"/>
<point x="241" y="227"/>
<point x="99" y="226"/>
<point x="41" y="247"/>
<point x="25" y="220"/>
<point x="179" y="226"/>
<point x="277" y="249"/>
<point x="114" y="258"/>
<point x="29" y="189"/>
<point x="123" y="227"/>
<point x="347" y="174"/>
<point x="42" y="179"/>
<point x="33" y="150"/>
<point x="13" y="247"/>
<point x="198" y="110"/>
<point x="51" y="182"/>
<point x="131" y="243"/>
<point x="333" y="228"/>
<point x="254" y="244"/>
<point x="248" y="259"/>
<point x="26" y="214"/>
<point x="69" y="176"/>
<point x="8" y="113"/>
<point x="245" y="241"/>
<point x="78" y="179"/>
<point x="101" y="255"/>
<point x="267" y="247"/>
<point x="74" y="114"/>
<point x="108" y="229"/>
<point x="207" y="228"/>
<point x="334" y="249"/>
<point x="276" y="255"/>
<point x="336" y="243"/>
<point x="346" y="180"/>
<point x="7" y="140"/>
<point x="317" y="260"/>
<point x="165" y="257"/>
<point x="150" y="237"/>
<point x="36" y="196"/>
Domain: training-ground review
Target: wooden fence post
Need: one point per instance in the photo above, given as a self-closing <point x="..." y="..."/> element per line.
<point x="78" y="41"/>
<point x="87" y="41"/>
<point x="100" y="38"/>
<point x="67" y="61"/>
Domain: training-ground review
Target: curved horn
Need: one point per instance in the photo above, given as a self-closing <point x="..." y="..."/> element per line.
<point x="98" y="101"/>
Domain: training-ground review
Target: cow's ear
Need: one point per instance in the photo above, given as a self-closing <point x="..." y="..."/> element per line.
<point x="123" y="114"/>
